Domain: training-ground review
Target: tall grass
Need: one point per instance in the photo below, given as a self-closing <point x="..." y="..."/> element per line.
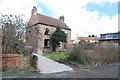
<point x="93" y="54"/>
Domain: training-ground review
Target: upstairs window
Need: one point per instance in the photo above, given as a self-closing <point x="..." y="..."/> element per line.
<point x="47" y="30"/>
<point x="65" y="31"/>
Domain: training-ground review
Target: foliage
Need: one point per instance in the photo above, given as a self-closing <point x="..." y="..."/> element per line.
<point x="89" y="36"/>
<point x="13" y="34"/>
<point x="57" y="37"/>
<point x="57" y="56"/>
<point x="96" y="55"/>
<point x="34" y="61"/>
<point x="92" y="35"/>
<point x="108" y="53"/>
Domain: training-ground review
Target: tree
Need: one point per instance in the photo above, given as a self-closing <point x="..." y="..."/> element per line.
<point x="89" y="36"/>
<point x="57" y="37"/>
<point x="13" y="33"/>
<point x="93" y="35"/>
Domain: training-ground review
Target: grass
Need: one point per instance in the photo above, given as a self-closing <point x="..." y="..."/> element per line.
<point x="62" y="57"/>
<point x="57" y="56"/>
<point x="16" y="72"/>
<point x="13" y="73"/>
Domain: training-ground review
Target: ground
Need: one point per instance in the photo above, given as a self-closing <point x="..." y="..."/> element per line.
<point x="103" y="71"/>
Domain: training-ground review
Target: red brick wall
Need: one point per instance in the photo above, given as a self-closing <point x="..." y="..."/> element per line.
<point x="14" y="61"/>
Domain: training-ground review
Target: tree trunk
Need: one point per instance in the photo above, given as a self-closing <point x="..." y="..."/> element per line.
<point x="54" y="48"/>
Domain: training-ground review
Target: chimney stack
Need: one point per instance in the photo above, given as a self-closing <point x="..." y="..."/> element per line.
<point x="62" y="18"/>
<point x="34" y="10"/>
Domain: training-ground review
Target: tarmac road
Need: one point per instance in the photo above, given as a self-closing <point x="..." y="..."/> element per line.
<point x="104" y="71"/>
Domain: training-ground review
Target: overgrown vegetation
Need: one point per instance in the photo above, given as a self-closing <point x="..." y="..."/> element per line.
<point x="87" y="54"/>
<point x="91" y="54"/>
<point x="13" y="34"/>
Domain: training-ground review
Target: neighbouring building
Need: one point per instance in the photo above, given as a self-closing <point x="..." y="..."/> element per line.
<point x="85" y="40"/>
<point x="41" y="27"/>
<point x="110" y="38"/>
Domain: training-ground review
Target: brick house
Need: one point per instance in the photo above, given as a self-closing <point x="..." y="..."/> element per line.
<point x="89" y="39"/>
<point x="41" y="27"/>
<point x="110" y="38"/>
<point x="85" y="40"/>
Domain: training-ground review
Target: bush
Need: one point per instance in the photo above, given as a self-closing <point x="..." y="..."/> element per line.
<point x="93" y="54"/>
<point x="107" y="54"/>
<point x="77" y="53"/>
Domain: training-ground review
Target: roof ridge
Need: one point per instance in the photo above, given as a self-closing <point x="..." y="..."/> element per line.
<point x="47" y="20"/>
<point x="49" y="17"/>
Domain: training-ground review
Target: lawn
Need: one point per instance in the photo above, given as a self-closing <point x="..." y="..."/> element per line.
<point x="60" y="56"/>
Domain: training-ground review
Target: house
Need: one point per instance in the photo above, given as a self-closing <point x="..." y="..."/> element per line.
<point x="89" y="39"/>
<point x="110" y="38"/>
<point x="41" y="27"/>
<point x="85" y="40"/>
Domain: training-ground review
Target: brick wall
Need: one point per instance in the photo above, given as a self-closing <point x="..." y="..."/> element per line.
<point x="36" y="39"/>
<point x="11" y="61"/>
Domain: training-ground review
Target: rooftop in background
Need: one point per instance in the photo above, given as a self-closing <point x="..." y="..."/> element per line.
<point x="88" y="38"/>
<point x="110" y="36"/>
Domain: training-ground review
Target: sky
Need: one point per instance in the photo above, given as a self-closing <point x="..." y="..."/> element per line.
<point x="84" y="17"/>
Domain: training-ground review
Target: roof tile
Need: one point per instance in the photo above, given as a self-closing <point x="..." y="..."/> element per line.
<point x="39" y="18"/>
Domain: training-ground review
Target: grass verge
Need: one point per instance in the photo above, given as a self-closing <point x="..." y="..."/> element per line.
<point x="57" y="56"/>
<point x="16" y="72"/>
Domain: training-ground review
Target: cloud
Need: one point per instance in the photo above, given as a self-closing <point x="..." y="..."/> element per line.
<point x="17" y="7"/>
<point x="79" y="19"/>
<point x="82" y="21"/>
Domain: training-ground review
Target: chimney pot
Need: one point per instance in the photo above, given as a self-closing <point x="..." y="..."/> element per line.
<point x="34" y="10"/>
<point x="62" y="18"/>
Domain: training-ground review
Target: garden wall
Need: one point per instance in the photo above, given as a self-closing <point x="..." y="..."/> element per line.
<point x="12" y="61"/>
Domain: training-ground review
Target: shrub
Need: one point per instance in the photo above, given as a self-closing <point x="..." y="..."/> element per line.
<point x="108" y="54"/>
<point x="93" y="54"/>
<point x="77" y="53"/>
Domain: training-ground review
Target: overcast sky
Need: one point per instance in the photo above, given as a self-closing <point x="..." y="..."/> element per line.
<point x="84" y="17"/>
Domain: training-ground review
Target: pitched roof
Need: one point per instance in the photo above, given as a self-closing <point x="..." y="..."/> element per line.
<point x="46" y="20"/>
<point x="88" y="38"/>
